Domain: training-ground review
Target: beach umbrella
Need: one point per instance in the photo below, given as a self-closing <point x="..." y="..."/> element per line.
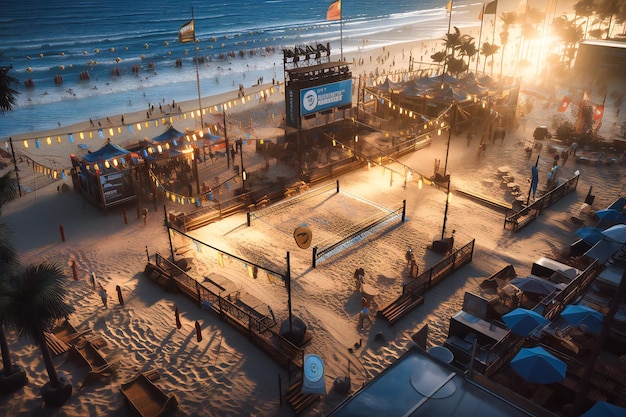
<point x="603" y="250"/>
<point x="590" y="234"/>
<point x="617" y="233"/>
<point x="604" y="409"/>
<point x="610" y="215"/>
<point x="581" y="315"/>
<point x="534" y="285"/>
<point x="522" y="321"/>
<point x="538" y="365"/>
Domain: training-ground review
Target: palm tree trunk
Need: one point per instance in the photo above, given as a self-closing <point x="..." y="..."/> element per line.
<point x="47" y="359"/>
<point x="6" y="354"/>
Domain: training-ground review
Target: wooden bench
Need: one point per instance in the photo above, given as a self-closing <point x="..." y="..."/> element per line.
<point x="143" y="396"/>
<point x="299" y="401"/>
<point x="520" y="221"/>
<point x="62" y="336"/>
<point x="57" y="346"/>
<point x="398" y="308"/>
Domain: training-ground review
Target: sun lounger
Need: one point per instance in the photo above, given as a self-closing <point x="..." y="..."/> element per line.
<point x="89" y="354"/>
<point x="62" y="336"/>
<point x="143" y="396"/>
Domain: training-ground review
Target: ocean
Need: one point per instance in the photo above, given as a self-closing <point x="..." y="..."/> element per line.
<point x="131" y="53"/>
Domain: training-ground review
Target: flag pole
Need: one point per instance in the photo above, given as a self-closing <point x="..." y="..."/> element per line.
<point x="449" y="9"/>
<point x="341" y="29"/>
<point x="480" y="34"/>
<point x="495" y="19"/>
<point x="195" y="49"/>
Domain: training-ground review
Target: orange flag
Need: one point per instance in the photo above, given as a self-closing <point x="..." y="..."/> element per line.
<point x="564" y="104"/>
<point x="598" y="112"/>
<point x="480" y="15"/>
<point x="449" y="6"/>
<point x="334" y="11"/>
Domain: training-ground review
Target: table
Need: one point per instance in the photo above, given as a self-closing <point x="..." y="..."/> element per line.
<point x="504" y="170"/>
<point x="368" y="291"/>
<point x="442" y="353"/>
<point x="512" y="186"/>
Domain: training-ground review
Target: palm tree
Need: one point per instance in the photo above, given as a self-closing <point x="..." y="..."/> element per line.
<point x="489" y="50"/>
<point x="452" y="41"/>
<point x="584" y="9"/>
<point x="508" y="20"/>
<point x="8" y="188"/>
<point x="7" y="93"/>
<point x="13" y="376"/>
<point x="467" y="48"/>
<point x="570" y="33"/>
<point x="32" y="300"/>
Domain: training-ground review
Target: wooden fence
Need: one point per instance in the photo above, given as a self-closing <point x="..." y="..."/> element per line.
<point x="522" y="218"/>
<point x="414" y="292"/>
<point x="257" y="327"/>
<point x="441" y="270"/>
<point x="549" y="307"/>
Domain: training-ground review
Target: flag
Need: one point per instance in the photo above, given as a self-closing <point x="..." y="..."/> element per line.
<point x="334" y="11"/>
<point x="598" y="112"/>
<point x="491" y="8"/>
<point x="480" y="15"/>
<point x="186" y="33"/>
<point x="564" y="104"/>
<point x="449" y="6"/>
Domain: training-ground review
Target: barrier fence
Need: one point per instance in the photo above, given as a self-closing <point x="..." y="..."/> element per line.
<point x="256" y="327"/>
<point x="445" y="267"/>
<point x="529" y="213"/>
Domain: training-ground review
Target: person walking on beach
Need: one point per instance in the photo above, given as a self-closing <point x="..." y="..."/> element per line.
<point x="102" y="292"/>
<point x="364" y="315"/>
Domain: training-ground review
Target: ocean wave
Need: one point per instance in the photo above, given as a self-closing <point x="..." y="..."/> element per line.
<point x="77" y="37"/>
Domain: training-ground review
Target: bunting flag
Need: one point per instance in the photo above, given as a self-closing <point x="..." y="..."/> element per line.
<point x="564" y="104"/>
<point x="186" y="33"/>
<point x="598" y="112"/>
<point x="491" y="8"/>
<point x="334" y="11"/>
<point x="449" y="6"/>
<point x="482" y="11"/>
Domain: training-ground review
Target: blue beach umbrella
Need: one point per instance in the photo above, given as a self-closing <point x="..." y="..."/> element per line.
<point x="590" y="234"/>
<point x="616" y="233"/>
<point x="534" y="285"/>
<point x="604" y="409"/>
<point x="539" y="366"/>
<point x="583" y="316"/>
<point x="522" y="321"/>
<point x="610" y="215"/>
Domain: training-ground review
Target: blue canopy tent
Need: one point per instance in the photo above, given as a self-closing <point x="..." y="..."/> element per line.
<point x="103" y="177"/>
<point x="168" y="135"/>
<point x="388" y="86"/>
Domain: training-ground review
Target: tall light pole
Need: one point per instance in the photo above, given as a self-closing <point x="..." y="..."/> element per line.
<point x="445" y="213"/>
<point x="243" y="171"/>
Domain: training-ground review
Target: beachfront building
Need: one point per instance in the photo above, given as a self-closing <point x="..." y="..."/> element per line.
<point x="420" y="384"/>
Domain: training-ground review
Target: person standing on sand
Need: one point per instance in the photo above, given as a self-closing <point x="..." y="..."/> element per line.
<point x="364" y="315"/>
<point x="102" y="292"/>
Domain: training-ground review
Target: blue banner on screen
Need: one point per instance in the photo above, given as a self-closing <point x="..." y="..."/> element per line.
<point x="326" y="96"/>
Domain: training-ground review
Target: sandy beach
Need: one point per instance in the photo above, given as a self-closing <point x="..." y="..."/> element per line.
<point x="225" y="374"/>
